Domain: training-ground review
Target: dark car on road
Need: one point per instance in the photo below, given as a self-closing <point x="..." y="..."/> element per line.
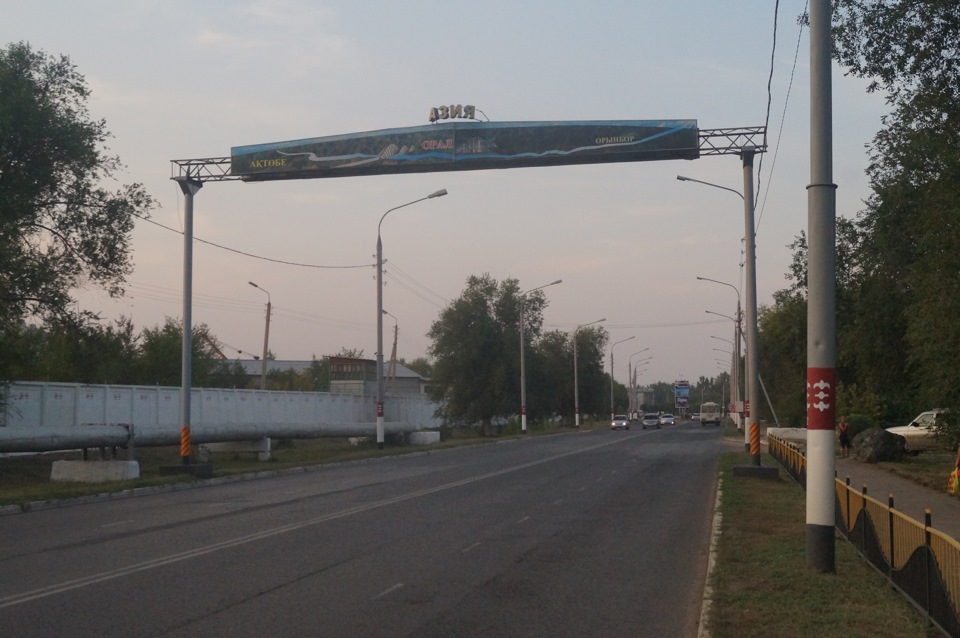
<point x="651" y="420"/>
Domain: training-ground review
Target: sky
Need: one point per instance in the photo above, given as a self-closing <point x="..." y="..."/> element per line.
<point x="190" y="80"/>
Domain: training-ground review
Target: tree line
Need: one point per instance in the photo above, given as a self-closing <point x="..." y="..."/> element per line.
<point x="898" y="259"/>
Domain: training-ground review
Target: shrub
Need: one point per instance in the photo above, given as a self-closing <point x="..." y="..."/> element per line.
<point x="857" y="423"/>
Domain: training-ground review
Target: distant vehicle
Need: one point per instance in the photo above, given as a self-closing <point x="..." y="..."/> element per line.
<point x="620" y="422"/>
<point x="919" y="433"/>
<point x="651" y="420"/>
<point x="667" y="419"/>
<point x="710" y="414"/>
<point x="695" y="416"/>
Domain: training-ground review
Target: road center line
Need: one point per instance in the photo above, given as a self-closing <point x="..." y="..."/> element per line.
<point x="389" y="590"/>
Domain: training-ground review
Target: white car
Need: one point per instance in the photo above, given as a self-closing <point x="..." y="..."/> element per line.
<point x="919" y="433"/>
<point x="666" y="419"/>
<point x="620" y="422"/>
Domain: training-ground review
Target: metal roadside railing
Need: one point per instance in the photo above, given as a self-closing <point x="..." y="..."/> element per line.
<point x="918" y="560"/>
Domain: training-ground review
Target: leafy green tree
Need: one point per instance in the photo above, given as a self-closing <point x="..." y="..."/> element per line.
<point x="420" y="365"/>
<point x="783" y="357"/>
<point x="911" y="52"/>
<point x="59" y="226"/>
<point x="553" y="383"/>
<point x="593" y="382"/>
<point x="161" y="357"/>
<point x="476" y="351"/>
<point x="905" y="47"/>
<point x="73" y="348"/>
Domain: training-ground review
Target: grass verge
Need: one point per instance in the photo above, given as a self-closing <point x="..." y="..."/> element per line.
<point x="762" y="586"/>
<point x="26" y="478"/>
<point x="930" y="469"/>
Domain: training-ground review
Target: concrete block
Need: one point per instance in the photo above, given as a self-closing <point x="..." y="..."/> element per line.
<point x="94" y="471"/>
<point x="261" y="448"/>
<point x="423" y="438"/>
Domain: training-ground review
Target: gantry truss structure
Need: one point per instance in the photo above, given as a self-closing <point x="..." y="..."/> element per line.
<point x="714" y="141"/>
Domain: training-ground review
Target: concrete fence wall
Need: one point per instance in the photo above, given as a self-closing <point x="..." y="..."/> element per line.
<point x="48" y="415"/>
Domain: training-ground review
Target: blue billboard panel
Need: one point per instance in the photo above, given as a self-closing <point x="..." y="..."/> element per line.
<point x="681" y="391"/>
<point x="468" y="146"/>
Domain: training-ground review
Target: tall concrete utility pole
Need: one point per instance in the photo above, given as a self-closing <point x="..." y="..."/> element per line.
<point x="821" y="301"/>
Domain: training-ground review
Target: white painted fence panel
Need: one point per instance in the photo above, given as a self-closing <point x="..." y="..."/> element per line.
<point x="66" y="404"/>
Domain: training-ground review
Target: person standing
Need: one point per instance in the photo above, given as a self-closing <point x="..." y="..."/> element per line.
<point x="844" y="432"/>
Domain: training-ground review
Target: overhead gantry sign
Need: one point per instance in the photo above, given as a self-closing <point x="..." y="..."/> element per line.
<point x="466" y="146"/>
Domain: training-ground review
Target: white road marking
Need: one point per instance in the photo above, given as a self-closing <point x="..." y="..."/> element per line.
<point x="469" y="548"/>
<point x="389" y="590"/>
<point x="117" y="523"/>
<point x="524" y="519"/>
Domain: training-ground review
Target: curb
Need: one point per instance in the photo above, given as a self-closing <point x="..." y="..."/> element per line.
<point x="703" y="631"/>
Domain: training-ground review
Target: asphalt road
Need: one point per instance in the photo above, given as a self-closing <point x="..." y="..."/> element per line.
<point x="588" y="534"/>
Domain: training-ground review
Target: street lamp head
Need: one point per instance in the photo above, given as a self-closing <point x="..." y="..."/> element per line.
<point x="439" y="193"/>
<point x="683" y="179"/>
<point x="267" y="292"/>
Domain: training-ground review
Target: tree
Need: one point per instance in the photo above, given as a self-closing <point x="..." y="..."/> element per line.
<point x="476" y="351"/>
<point x="905" y="47"/>
<point x="59" y="227"/>
<point x="911" y="52"/>
<point x="420" y="365"/>
<point x="161" y="354"/>
<point x="593" y="382"/>
<point x="553" y="380"/>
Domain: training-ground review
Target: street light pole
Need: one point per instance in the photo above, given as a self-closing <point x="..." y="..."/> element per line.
<point x="752" y="406"/>
<point x="632" y="395"/>
<point x="576" y="387"/>
<point x="380" y="388"/>
<point x="734" y="373"/>
<point x="753" y="333"/>
<point x="266" y="339"/>
<point x="611" y="374"/>
<point x="735" y="369"/>
<point x="736" y="323"/>
<point x="523" y="378"/>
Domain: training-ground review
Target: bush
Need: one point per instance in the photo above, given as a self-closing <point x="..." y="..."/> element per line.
<point x="857" y="423"/>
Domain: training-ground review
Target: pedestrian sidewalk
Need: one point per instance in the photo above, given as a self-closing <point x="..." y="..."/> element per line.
<point x="908" y="497"/>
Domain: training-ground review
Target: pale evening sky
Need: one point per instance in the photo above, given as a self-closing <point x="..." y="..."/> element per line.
<point x="183" y="80"/>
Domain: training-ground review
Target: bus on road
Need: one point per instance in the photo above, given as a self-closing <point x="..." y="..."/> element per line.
<point x="710" y="413"/>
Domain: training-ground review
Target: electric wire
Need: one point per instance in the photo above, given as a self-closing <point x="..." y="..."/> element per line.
<point x="783" y="118"/>
<point x="251" y="255"/>
<point x="766" y="121"/>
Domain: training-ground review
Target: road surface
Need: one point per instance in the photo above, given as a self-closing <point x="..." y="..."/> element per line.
<point x="586" y="534"/>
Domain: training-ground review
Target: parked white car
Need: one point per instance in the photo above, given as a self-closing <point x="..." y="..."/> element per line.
<point x="919" y="432"/>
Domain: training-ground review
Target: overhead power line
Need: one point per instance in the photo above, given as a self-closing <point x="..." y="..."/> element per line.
<point x="251" y="255"/>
